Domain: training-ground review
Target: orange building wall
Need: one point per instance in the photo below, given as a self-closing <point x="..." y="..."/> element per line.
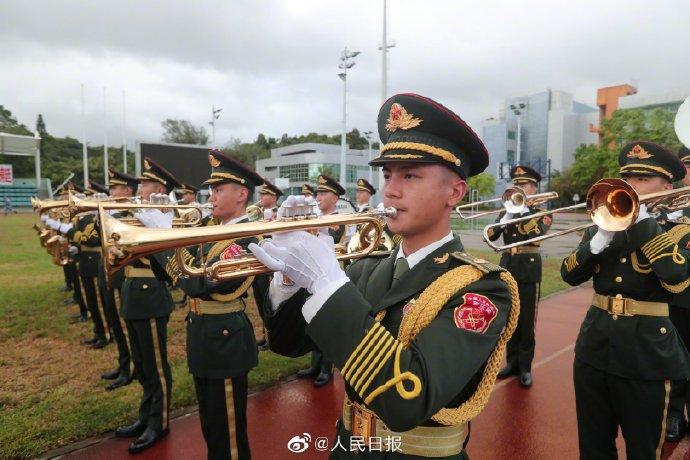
<point x="607" y="101"/>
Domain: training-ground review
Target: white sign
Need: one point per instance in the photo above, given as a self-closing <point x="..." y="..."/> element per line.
<point x="6" y="175"/>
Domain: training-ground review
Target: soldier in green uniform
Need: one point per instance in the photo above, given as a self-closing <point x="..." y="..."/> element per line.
<point x="308" y="190"/>
<point x="364" y="193"/>
<point x="221" y="349"/>
<point x="679" y="312"/>
<point x="82" y="232"/>
<point x="121" y="185"/>
<point x="418" y="336"/>
<point x="328" y="191"/>
<point x="146" y="305"/>
<point x="268" y="200"/>
<point x="628" y="351"/>
<point x="187" y="194"/>
<point x="524" y="263"/>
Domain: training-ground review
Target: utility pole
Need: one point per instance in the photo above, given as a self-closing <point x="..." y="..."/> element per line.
<point x="517" y="110"/>
<point x="215" y="114"/>
<point x="124" y="136"/>
<point x="346" y="62"/>
<point x="384" y="57"/>
<point x="85" y="155"/>
<point x="105" y="141"/>
<point x="367" y="136"/>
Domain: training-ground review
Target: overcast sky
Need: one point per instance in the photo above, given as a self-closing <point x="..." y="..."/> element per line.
<point x="272" y="65"/>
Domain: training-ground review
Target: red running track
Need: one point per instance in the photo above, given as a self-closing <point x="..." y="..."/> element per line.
<point x="539" y="423"/>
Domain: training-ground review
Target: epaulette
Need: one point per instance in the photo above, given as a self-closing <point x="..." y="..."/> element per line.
<point x="681" y="220"/>
<point x="678" y="232"/>
<point x="482" y="264"/>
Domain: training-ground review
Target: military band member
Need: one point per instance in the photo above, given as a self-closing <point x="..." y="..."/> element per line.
<point x="221" y="349"/>
<point x="268" y="200"/>
<point x="524" y="263"/>
<point x="187" y="194"/>
<point x="363" y="194"/>
<point x="679" y="312"/>
<point x="82" y="232"/>
<point x="146" y="305"/>
<point x="628" y="351"/>
<point x="328" y="191"/>
<point x="418" y="336"/>
<point x="308" y="190"/>
<point x="120" y="185"/>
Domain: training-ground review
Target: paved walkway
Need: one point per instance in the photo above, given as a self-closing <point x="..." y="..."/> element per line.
<point x="519" y="424"/>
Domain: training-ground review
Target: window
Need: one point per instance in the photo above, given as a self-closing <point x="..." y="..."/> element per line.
<point x="511" y="135"/>
<point x="296" y="173"/>
<point x="510" y="157"/>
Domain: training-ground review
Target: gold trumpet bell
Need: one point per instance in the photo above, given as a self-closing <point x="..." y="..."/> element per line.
<point x="613" y="204"/>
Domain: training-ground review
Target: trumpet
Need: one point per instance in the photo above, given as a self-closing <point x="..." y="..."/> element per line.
<point x="186" y="215"/>
<point x="58" y="248"/>
<point x="612" y="204"/>
<point x="43" y="206"/>
<point x="122" y="243"/>
<point x="514" y="200"/>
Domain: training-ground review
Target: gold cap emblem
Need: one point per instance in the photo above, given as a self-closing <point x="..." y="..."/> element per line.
<point x="360" y="182"/>
<point x="322" y="180"/>
<point x="639" y="153"/>
<point x="215" y="162"/>
<point x="519" y="170"/>
<point x="398" y="118"/>
<point x="111" y="174"/>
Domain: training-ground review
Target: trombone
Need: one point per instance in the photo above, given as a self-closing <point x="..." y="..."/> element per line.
<point x="122" y="243"/>
<point x="612" y="204"/>
<point x="514" y="200"/>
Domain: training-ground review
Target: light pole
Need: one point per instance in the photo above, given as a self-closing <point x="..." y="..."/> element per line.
<point x="215" y="114"/>
<point x="124" y="137"/>
<point x="384" y="57"/>
<point x="367" y="136"/>
<point x="84" y="153"/>
<point x="346" y="62"/>
<point x="105" y="141"/>
<point x="517" y="110"/>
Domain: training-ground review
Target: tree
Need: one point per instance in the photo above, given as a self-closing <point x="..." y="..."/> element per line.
<point x="636" y="124"/>
<point x="10" y="125"/>
<point x="41" y="126"/>
<point x="183" y="132"/>
<point x="484" y="183"/>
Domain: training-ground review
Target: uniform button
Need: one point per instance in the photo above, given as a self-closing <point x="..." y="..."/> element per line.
<point x="226" y="332"/>
<point x="145" y="286"/>
<point x="618" y="279"/>
<point x="514" y="234"/>
<point x="619" y="296"/>
<point x="662" y="330"/>
<point x="623" y="260"/>
<point x="615" y="317"/>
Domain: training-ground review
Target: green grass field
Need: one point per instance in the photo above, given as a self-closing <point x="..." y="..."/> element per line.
<point x="51" y="393"/>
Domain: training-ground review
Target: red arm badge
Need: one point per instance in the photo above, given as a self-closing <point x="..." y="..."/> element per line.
<point x="475" y="314"/>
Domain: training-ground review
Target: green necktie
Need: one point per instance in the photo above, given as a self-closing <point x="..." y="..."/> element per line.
<point x="401" y="266"/>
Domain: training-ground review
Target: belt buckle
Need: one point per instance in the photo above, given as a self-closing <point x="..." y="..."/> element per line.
<point x="617" y="306"/>
<point x="193" y="305"/>
<point x="363" y="423"/>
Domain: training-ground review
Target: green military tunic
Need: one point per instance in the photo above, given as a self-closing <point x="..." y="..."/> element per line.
<point x="359" y="328"/>
<point x="624" y="364"/>
<point x="84" y="234"/>
<point x="221" y="347"/>
<point x="679" y="312"/>
<point x="526" y="268"/>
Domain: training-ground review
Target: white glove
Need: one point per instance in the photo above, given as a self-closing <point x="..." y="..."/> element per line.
<point x="44" y="217"/>
<point x="64" y="228"/>
<point x="600" y="241"/>
<point x="506" y="217"/>
<point x="155" y="218"/>
<point x="308" y="261"/>
<point x="54" y="224"/>
<point x="268" y="214"/>
<point x="643" y="214"/>
<point x="380" y="207"/>
<point x="73" y="250"/>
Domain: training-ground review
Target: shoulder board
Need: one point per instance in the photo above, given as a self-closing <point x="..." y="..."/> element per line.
<point x="482" y="264"/>
<point x="681" y="220"/>
<point x="678" y="232"/>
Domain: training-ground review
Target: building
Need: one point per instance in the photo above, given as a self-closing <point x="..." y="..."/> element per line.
<point x="302" y="163"/>
<point x="669" y="101"/>
<point x="551" y="127"/>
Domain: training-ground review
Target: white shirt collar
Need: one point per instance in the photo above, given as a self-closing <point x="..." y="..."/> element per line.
<point x="417" y="256"/>
<point x="674" y="215"/>
<point x="235" y="220"/>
